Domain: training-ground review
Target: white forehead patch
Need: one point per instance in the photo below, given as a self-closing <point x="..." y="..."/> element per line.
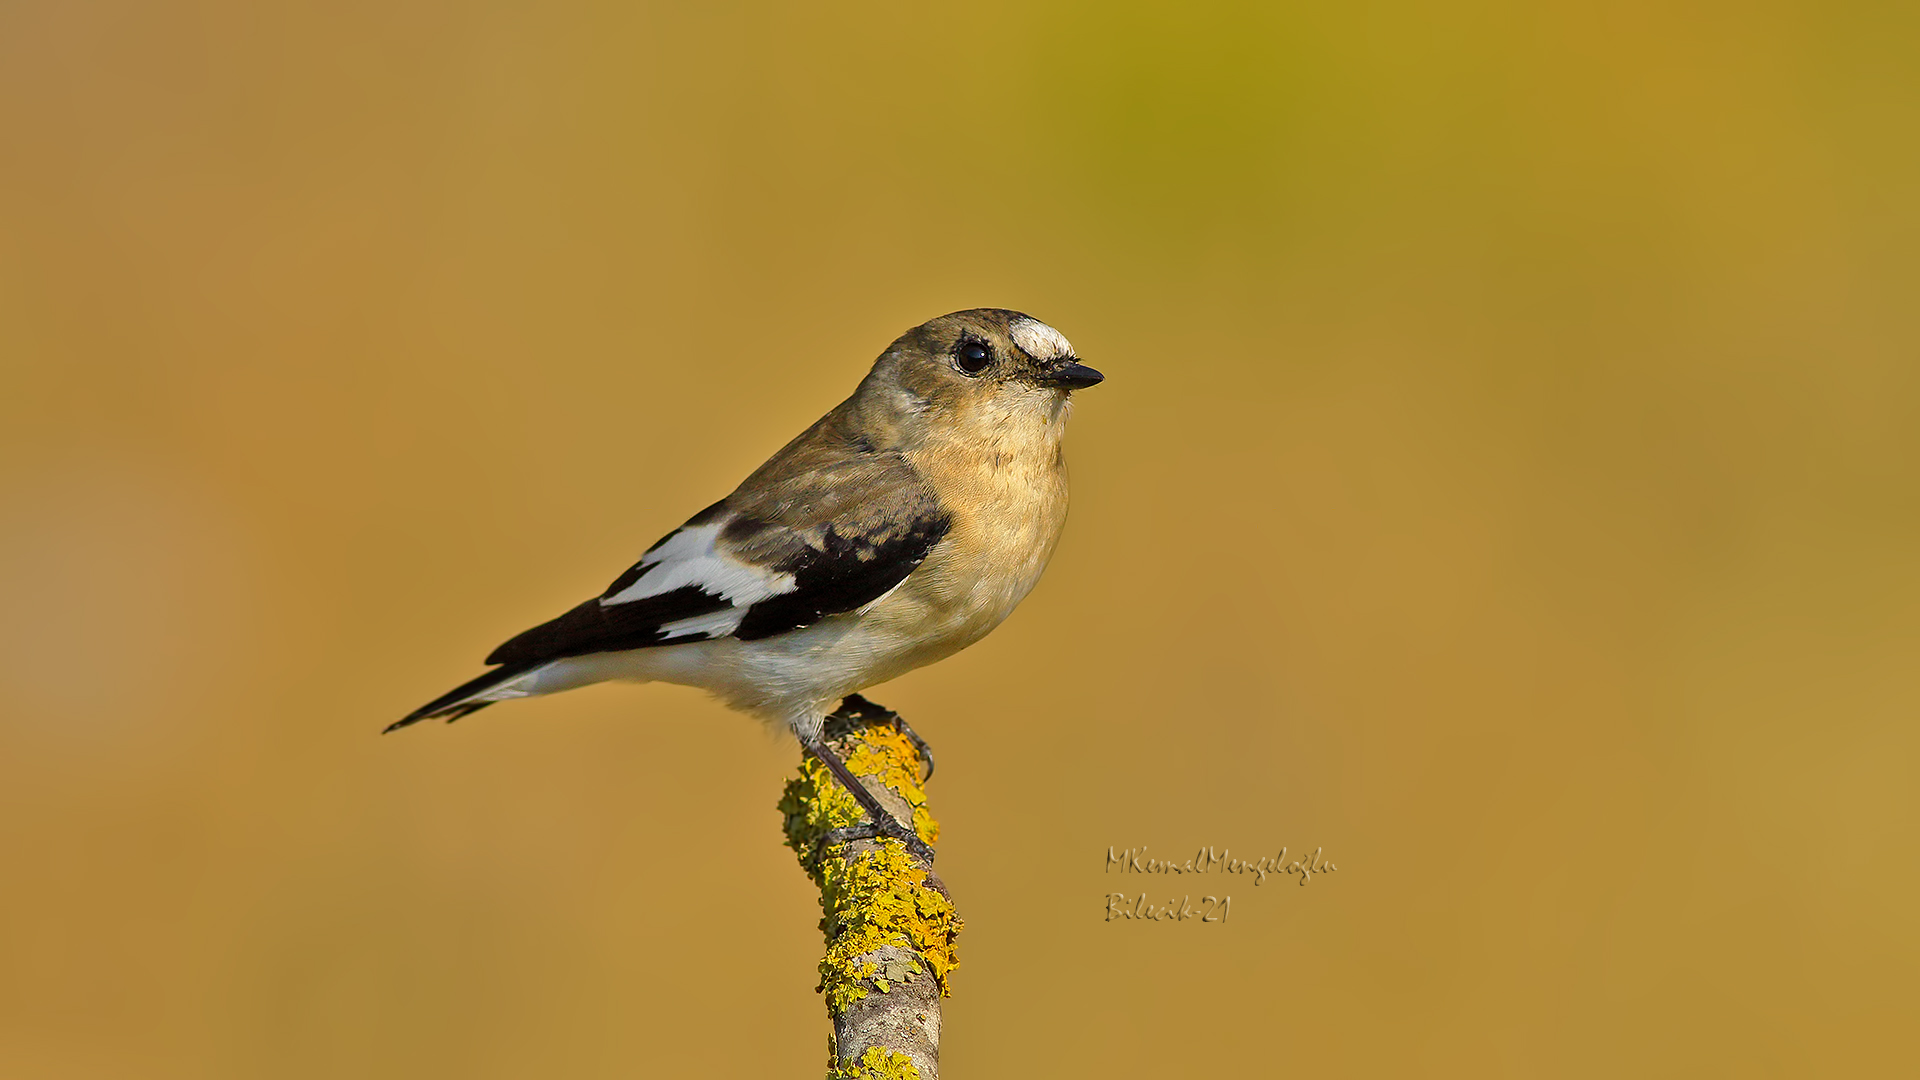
<point x="1042" y="342"/>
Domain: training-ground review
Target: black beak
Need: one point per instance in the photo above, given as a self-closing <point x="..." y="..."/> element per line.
<point x="1075" y="376"/>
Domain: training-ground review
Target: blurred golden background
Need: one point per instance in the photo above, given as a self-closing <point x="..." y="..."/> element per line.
<point x="1508" y="478"/>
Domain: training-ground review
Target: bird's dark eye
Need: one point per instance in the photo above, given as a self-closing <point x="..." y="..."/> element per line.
<point x="972" y="357"/>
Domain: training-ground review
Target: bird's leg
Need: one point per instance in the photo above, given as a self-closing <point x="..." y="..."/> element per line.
<point x="883" y="823"/>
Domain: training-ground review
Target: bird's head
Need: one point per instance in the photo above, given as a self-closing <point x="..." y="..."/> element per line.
<point x="986" y="366"/>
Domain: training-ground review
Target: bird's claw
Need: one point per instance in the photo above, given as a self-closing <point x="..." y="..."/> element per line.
<point x="919" y="744"/>
<point x="855" y="706"/>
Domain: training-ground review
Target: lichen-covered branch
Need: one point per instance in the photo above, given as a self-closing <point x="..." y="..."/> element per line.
<point x="889" y="924"/>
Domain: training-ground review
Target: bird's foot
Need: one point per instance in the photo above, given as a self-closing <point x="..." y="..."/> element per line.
<point x="856" y="707"/>
<point x="880" y="821"/>
<point x="871" y="830"/>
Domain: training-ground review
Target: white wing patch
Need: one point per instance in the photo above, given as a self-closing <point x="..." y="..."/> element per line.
<point x="714" y="624"/>
<point x="1042" y="342"/>
<point x="690" y="557"/>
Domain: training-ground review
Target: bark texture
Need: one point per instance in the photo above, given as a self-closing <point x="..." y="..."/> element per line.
<point x="889" y="925"/>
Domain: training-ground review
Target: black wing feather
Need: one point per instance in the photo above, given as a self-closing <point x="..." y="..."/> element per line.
<point x="595" y="627"/>
<point x="842" y="574"/>
<point x="834" y="571"/>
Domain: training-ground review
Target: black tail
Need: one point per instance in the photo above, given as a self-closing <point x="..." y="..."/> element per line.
<point x="454" y="704"/>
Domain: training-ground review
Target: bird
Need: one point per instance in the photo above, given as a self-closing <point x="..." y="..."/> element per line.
<point x="897" y="530"/>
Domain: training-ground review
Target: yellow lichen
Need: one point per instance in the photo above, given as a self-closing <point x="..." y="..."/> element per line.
<point x="878" y="1063"/>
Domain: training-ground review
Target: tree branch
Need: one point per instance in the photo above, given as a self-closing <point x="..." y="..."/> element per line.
<point x="889" y="924"/>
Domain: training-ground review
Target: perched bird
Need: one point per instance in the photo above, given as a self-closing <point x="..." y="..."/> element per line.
<point x="897" y="530"/>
